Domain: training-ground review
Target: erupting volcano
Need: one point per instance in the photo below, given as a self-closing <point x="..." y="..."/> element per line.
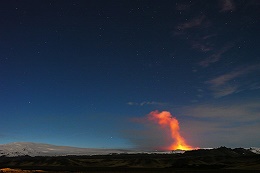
<point x="165" y="119"/>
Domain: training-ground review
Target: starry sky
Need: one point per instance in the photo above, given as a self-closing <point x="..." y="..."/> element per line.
<point x="77" y="73"/>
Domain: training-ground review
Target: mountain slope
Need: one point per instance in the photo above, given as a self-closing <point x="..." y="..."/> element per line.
<point x="38" y="149"/>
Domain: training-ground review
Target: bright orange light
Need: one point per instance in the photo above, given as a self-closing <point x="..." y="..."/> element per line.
<point x="165" y="119"/>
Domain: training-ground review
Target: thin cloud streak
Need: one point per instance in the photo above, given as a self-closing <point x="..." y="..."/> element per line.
<point x="202" y="42"/>
<point x="225" y="90"/>
<point x="144" y="103"/>
<point x="227" y="5"/>
<point x="203" y="47"/>
<point x="193" y="23"/>
<point x="213" y="58"/>
<point x="226" y="84"/>
<point x="223" y="79"/>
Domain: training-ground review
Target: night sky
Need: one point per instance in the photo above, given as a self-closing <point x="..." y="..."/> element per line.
<point x="80" y="72"/>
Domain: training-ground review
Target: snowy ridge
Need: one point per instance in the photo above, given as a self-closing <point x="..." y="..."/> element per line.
<point x="38" y="149"/>
<point x="255" y="150"/>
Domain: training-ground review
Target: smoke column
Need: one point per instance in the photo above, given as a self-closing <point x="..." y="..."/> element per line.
<point x="165" y="119"/>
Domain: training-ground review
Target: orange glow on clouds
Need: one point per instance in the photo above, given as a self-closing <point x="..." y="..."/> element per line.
<point x="165" y="119"/>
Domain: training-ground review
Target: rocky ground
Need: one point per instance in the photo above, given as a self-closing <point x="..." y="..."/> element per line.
<point x="221" y="159"/>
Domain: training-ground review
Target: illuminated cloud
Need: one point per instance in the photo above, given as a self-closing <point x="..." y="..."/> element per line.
<point x="165" y="120"/>
<point x="159" y="130"/>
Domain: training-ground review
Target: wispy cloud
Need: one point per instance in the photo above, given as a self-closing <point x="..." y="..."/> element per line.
<point x="204" y="40"/>
<point x="227" y="5"/>
<point x="202" y="46"/>
<point x="183" y="6"/>
<point x="206" y="34"/>
<point x="224" y="91"/>
<point x="226" y="84"/>
<point x="223" y="79"/>
<point x="192" y="23"/>
<point x="145" y="103"/>
<point x="215" y="57"/>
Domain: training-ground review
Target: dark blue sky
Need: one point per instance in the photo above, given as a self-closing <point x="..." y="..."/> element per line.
<point x="76" y="72"/>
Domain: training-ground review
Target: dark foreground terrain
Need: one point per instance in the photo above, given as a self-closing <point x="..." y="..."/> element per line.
<point x="215" y="160"/>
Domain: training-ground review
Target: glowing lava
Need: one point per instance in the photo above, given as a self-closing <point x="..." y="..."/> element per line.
<point x="165" y="119"/>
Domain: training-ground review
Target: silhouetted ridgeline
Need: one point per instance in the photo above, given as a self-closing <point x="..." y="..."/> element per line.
<point x="222" y="151"/>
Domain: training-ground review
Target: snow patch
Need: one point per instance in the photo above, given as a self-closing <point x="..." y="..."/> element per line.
<point x="37" y="149"/>
<point x="255" y="150"/>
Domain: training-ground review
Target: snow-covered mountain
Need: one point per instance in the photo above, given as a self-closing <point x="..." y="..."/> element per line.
<point x="38" y="149"/>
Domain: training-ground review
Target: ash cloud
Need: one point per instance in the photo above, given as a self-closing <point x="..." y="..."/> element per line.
<point x="148" y="135"/>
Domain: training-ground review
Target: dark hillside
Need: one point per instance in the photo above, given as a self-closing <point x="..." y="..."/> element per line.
<point x="220" y="159"/>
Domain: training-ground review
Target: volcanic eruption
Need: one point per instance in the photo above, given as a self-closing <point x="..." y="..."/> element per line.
<point x="166" y="120"/>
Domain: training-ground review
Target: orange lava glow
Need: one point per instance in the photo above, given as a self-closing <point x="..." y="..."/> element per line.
<point x="165" y="119"/>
